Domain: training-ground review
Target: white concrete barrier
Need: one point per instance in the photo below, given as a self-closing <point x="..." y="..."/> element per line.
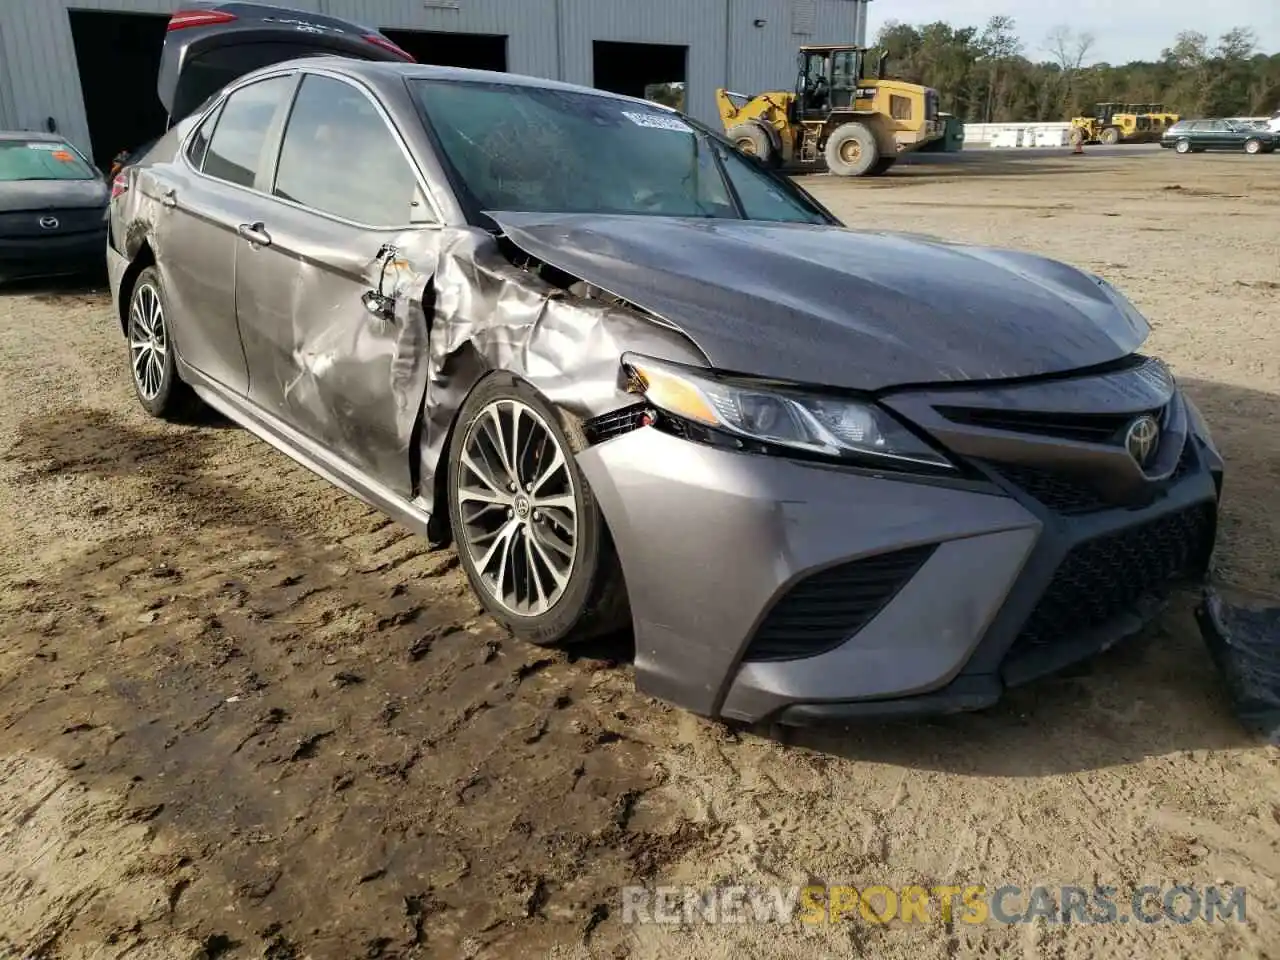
<point x="1003" y="138"/>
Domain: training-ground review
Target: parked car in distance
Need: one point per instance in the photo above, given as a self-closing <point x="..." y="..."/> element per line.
<point x="53" y="208"/>
<point x="641" y="380"/>
<point x="1196" y="136"/>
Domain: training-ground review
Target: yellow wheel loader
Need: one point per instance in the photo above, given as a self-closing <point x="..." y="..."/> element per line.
<point x="1122" y="123"/>
<point x="857" y="125"/>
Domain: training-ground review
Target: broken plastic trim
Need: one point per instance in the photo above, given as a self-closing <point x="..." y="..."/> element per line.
<point x="1243" y="637"/>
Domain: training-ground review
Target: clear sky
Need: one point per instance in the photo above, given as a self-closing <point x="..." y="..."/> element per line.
<point x="1125" y="29"/>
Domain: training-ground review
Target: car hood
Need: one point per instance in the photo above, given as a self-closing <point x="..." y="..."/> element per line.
<point x="827" y="305"/>
<point x="52" y="194"/>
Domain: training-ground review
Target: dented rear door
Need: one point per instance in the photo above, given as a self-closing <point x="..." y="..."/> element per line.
<point x="330" y="283"/>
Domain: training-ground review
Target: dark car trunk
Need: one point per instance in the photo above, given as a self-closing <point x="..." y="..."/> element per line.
<point x="210" y="44"/>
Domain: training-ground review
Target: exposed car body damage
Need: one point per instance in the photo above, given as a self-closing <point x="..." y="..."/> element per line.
<point x="488" y="313"/>
<point x="444" y="307"/>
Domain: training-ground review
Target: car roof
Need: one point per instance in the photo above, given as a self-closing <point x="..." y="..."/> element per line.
<point x="380" y="71"/>
<point x="37" y="135"/>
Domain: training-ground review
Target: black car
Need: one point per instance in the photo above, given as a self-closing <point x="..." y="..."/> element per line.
<point x="53" y="208"/>
<point x="1196" y="136"/>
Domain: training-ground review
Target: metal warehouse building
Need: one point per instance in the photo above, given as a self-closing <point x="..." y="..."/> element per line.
<point x="87" y="68"/>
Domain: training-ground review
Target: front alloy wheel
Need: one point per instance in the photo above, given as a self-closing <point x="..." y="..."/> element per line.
<point x="518" y="504"/>
<point x="528" y="530"/>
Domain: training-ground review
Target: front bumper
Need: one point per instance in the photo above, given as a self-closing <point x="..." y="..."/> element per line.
<point x="69" y="255"/>
<point x="712" y="541"/>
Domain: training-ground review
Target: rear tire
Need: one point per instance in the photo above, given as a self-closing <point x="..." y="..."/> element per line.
<point x="882" y="166"/>
<point x="1253" y="146"/>
<point x="152" y="361"/>
<point x="751" y="139"/>
<point x="1111" y="136"/>
<point x="558" y="579"/>
<point x="852" y="150"/>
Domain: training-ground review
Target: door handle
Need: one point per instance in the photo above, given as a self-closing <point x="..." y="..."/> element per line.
<point x="255" y="233"/>
<point x="169" y="197"/>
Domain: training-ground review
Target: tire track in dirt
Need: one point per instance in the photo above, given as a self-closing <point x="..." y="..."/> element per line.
<point x="326" y="731"/>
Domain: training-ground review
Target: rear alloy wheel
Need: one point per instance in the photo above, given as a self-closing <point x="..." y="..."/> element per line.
<point x="852" y="150"/>
<point x="151" y="356"/>
<point x="527" y="528"/>
<point x="1183" y="146"/>
<point x="1253" y="146"/>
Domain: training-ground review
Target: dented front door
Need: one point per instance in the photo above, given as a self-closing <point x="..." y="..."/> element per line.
<point x="328" y="302"/>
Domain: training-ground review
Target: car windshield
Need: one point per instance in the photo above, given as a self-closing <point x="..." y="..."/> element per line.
<point x="41" y="160"/>
<point x="532" y="149"/>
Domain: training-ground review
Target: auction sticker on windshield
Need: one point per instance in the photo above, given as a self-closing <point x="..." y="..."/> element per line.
<point x="657" y="121"/>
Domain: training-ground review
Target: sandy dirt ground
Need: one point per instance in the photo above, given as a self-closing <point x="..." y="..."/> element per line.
<point x="242" y="715"/>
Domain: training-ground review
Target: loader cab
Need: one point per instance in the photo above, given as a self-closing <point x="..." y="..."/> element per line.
<point x="210" y="43"/>
<point x="829" y="79"/>
<point x="1105" y="112"/>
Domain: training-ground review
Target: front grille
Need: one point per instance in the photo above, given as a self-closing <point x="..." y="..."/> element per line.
<point x="822" y="611"/>
<point x="1100" y="579"/>
<point x="1081" y="427"/>
<point x="614" y="424"/>
<point x="1072" y="497"/>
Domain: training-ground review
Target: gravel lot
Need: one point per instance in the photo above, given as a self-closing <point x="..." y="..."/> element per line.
<point x="241" y="715"/>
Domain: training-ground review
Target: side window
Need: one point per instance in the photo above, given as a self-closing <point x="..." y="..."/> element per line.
<point x="199" y="144"/>
<point x="339" y="157"/>
<point x="762" y="199"/>
<point x="235" y="151"/>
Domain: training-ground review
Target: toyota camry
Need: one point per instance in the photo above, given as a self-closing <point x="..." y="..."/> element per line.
<point x="642" y="382"/>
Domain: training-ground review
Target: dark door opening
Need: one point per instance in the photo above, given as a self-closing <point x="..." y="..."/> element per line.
<point x="475" y="51"/>
<point x="118" y="55"/>
<point x="655" y="71"/>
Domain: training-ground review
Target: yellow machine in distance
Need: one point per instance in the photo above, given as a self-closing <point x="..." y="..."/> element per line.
<point x="858" y="125"/>
<point x="1122" y="123"/>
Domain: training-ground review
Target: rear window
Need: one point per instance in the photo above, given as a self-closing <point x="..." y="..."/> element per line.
<point x="41" y="160"/>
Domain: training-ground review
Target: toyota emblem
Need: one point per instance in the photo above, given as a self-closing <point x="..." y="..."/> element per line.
<point x="49" y="223"/>
<point x="1142" y="438"/>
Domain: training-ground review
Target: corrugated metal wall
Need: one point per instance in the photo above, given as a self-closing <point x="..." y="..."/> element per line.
<point x="549" y="38"/>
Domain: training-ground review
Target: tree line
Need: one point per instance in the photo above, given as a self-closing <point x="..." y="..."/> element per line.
<point x="985" y="74"/>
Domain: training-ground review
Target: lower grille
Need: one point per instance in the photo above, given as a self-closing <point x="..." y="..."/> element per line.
<point x="1101" y="579"/>
<point x="822" y="611"/>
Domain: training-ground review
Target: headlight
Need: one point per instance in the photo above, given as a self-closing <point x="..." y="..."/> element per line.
<point x="782" y="416"/>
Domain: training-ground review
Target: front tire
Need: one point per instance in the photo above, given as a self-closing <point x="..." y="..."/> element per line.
<point x="152" y="363"/>
<point x="1111" y="136"/>
<point x="528" y="530"/>
<point x="1183" y="146"/>
<point x="852" y="150"/>
<point x="1253" y="146"/>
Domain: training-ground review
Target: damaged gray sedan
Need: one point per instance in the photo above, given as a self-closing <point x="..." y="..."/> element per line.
<point x="641" y="381"/>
